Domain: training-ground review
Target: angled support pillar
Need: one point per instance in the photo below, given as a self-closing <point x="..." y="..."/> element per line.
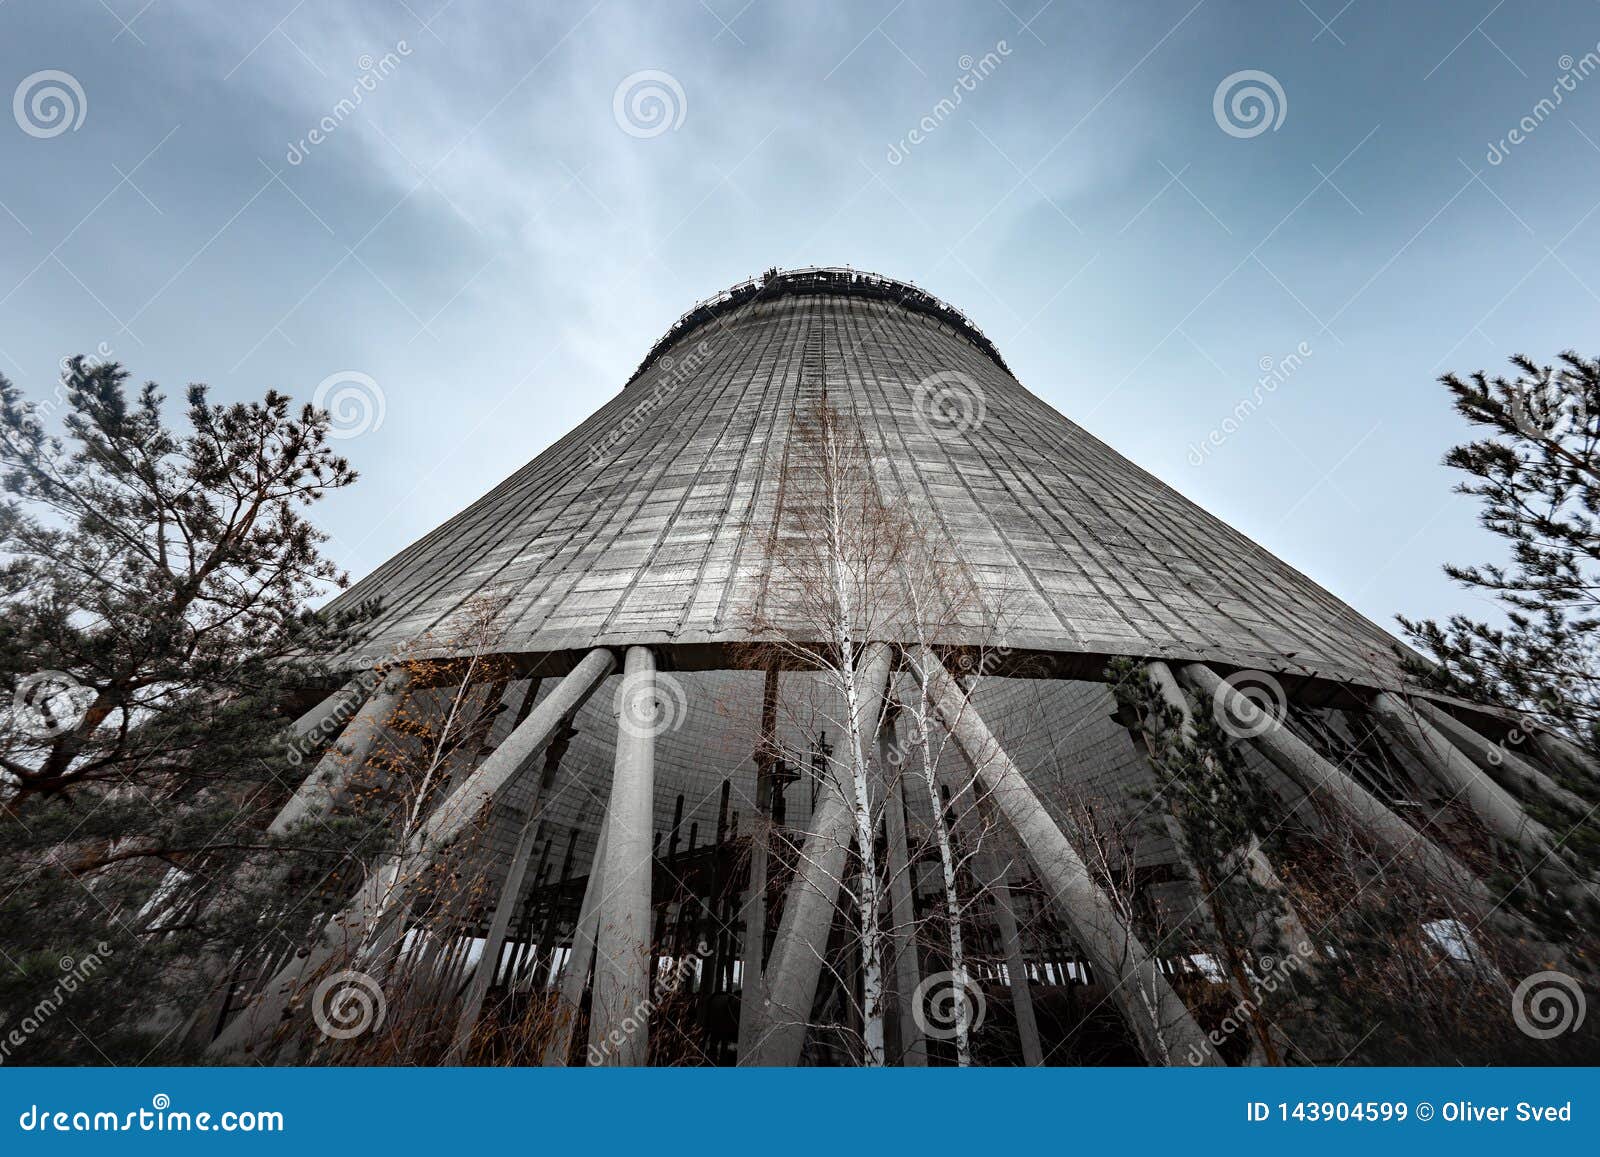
<point x="372" y="697"/>
<point x="575" y="976"/>
<point x="992" y="874"/>
<point x="1492" y="804"/>
<point x="1562" y="752"/>
<point x="753" y="983"/>
<point x="791" y="985"/>
<point x="493" y="944"/>
<point x="1498" y="810"/>
<point x="902" y="908"/>
<point x="619" y="1018"/>
<point x="328" y="717"/>
<point x="1499" y="760"/>
<point x="1164" y="1027"/>
<point x="808" y="910"/>
<point x="1316" y="776"/>
<point x="1256" y="864"/>
<point x="339" y="765"/>
<point x="374" y="902"/>
<point x="315" y="725"/>
<point x="488" y="966"/>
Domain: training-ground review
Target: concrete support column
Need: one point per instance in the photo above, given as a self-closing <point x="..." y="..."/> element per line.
<point x="354" y="926"/>
<point x="575" y="977"/>
<point x="619" y="1030"/>
<point x="511" y="891"/>
<point x="315" y="798"/>
<point x="308" y="730"/>
<point x="1166" y="1030"/>
<point x="808" y="908"/>
<point x="753" y="986"/>
<point x="349" y="753"/>
<point x="1499" y="760"/>
<point x="1395" y="838"/>
<point x="1560" y="750"/>
<point x="327" y="717"/>
<point x="1500" y="813"/>
<point x="1256" y="864"/>
<point x="902" y="909"/>
<point x="993" y="876"/>
<point x="797" y="955"/>
<point x="493" y="943"/>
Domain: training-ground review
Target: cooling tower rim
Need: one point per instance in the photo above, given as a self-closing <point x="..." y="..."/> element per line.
<point x="832" y="280"/>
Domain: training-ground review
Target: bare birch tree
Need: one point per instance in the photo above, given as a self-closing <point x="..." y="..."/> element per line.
<point x="830" y="594"/>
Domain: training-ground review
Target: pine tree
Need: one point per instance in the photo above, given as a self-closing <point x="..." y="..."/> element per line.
<point x="1537" y="473"/>
<point x="154" y="584"/>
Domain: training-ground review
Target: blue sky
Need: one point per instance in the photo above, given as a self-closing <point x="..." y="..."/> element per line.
<point x="485" y="241"/>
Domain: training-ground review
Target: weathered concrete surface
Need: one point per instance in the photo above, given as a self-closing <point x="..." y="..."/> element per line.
<point x="647" y="523"/>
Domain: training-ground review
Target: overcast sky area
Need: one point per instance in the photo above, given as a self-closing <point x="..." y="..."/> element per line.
<point x="494" y="238"/>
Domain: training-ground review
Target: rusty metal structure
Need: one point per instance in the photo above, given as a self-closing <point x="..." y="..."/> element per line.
<point x="658" y="809"/>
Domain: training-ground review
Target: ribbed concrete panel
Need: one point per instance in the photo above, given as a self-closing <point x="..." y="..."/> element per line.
<point x="647" y="523"/>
